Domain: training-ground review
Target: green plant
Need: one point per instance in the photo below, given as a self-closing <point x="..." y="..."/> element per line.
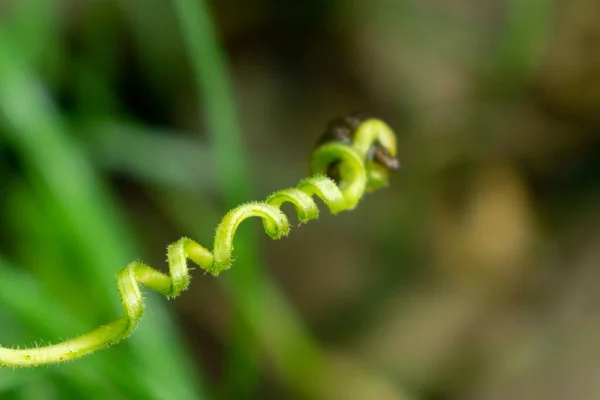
<point x="354" y="157"/>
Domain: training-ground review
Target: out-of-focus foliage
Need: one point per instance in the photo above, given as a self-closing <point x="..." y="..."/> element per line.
<point x="125" y="125"/>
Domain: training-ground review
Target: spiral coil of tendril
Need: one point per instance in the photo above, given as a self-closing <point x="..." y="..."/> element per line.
<point x="354" y="156"/>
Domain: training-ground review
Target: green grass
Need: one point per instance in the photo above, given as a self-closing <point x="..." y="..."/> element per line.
<point x="256" y="299"/>
<point x="94" y="239"/>
<point x="72" y="236"/>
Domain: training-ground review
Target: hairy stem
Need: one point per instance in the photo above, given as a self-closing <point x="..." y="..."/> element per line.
<point x="354" y="165"/>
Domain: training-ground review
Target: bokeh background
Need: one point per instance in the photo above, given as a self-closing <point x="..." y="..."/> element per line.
<point x="127" y="124"/>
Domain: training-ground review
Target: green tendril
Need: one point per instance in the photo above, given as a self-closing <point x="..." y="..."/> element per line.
<point x="360" y="166"/>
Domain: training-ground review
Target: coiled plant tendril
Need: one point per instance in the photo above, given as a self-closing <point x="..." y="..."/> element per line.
<point x="355" y="156"/>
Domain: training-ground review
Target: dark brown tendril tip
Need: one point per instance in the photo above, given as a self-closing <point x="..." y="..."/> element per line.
<point x="342" y="130"/>
<point x="382" y="156"/>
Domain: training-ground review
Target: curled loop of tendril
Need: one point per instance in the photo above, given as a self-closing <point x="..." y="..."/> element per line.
<point x="355" y="156"/>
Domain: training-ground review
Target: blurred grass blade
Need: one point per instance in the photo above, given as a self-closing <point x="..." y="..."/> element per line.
<point x="216" y="97"/>
<point x="35" y="130"/>
<point x="36" y="24"/>
<point x="55" y="164"/>
<point x="186" y="163"/>
<point x="247" y="281"/>
<point x="231" y="169"/>
<point x="524" y="38"/>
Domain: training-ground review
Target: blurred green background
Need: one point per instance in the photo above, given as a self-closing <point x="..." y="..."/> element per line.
<point x="127" y="124"/>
